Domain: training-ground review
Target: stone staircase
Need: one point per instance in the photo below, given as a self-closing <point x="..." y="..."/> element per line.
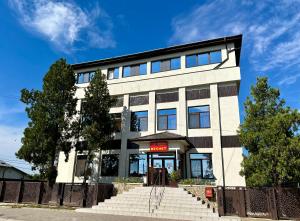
<point x="174" y="203"/>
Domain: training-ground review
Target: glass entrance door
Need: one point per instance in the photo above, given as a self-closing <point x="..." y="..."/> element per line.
<point x="163" y="164"/>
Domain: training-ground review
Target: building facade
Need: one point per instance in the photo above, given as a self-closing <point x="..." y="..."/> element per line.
<point x="177" y="108"/>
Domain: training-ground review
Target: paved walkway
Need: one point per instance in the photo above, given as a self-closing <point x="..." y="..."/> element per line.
<point x="40" y="214"/>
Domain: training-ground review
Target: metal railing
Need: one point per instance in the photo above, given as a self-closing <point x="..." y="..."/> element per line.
<point x="158" y="194"/>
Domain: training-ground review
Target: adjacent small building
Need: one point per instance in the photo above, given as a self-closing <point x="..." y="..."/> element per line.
<point x="177" y="108"/>
<point x="8" y="171"/>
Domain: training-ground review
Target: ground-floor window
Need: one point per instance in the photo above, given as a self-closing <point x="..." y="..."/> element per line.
<point x="110" y="165"/>
<point x="137" y="164"/>
<point x="201" y="166"/>
<point x="80" y="165"/>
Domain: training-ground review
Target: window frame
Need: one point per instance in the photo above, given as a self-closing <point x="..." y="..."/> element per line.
<point x="199" y="117"/>
<point x="89" y="73"/>
<point x="118" y="157"/>
<point x="131" y="68"/>
<point x="113" y="75"/>
<point x="167" y="117"/>
<point x="138" y="160"/>
<point x="202" y="53"/>
<point x="164" y="60"/>
<point x="201" y="163"/>
<point x="138" y="120"/>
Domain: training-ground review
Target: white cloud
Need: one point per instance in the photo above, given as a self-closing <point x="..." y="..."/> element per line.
<point x="288" y="80"/>
<point x="64" y="23"/>
<point x="271" y="31"/>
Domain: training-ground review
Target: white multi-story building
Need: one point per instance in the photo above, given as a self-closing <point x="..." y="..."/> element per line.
<point x="178" y="109"/>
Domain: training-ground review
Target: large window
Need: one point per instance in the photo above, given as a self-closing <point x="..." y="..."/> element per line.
<point x="166" y="119"/>
<point x="80" y="165"/>
<point x="139" y="121"/>
<point x="113" y="73"/>
<point x="201" y="166"/>
<point x="135" y="70"/>
<point x="137" y="164"/>
<point x="117" y="117"/>
<point x="165" y="65"/>
<point x="199" y="117"/>
<point x="203" y="59"/>
<point x="85" y="77"/>
<point x="110" y="165"/>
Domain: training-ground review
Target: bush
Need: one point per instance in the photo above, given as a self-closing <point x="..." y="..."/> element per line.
<point x="197" y="182"/>
<point x="129" y="180"/>
<point x="175" y="176"/>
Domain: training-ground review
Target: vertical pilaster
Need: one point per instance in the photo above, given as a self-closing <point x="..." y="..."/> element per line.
<point x="182" y="60"/>
<point x="121" y="72"/>
<point x="148" y="67"/>
<point x="152" y="113"/>
<point x="124" y="136"/>
<point x="182" y="124"/>
<point x="217" y="158"/>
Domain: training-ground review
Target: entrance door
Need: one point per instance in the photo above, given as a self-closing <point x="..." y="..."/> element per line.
<point x="162" y="165"/>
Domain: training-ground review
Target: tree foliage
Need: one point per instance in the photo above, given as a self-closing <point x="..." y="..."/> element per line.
<point x="50" y="111"/>
<point x="97" y="124"/>
<point x="270" y="134"/>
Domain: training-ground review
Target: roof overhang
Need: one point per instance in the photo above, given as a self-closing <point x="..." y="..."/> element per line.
<point x="236" y="39"/>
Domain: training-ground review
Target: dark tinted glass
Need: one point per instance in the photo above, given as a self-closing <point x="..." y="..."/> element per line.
<point x="110" y="165"/>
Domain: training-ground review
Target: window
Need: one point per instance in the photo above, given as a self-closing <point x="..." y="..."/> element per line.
<point x="191" y="61"/>
<point x="113" y="73"/>
<point x="110" y="165"/>
<point x="203" y="59"/>
<point x="165" y="65"/>
<point x="175" y="63"/>
<point x="201" y="166"/>
<point x="135" y="70"/>
<point x="137" y="164"/>
<point x="117" y="117"/>
<point x="85" y="77"/>
<point x="166" y="119"/>
<point x="199" y="117"/>
<point x="215" y="57"/>
<point x="155" y="66"/>
<point x="139" y="121"/>
<point x="118" y="101"/>
<point x="80" y="165"/>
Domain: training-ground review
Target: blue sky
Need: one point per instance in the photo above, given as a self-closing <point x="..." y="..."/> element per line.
<point x="35" y="33"/>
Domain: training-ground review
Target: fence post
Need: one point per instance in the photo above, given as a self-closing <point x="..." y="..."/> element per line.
<point x="242" y="203"/>
<point x="221" y="200"/>
<point x="20" y="192"/>
<point x="1" y="190"/>
<point x="272" y="203"/>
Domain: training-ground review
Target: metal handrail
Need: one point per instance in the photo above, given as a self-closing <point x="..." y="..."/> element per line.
<point x="154" y="188"/>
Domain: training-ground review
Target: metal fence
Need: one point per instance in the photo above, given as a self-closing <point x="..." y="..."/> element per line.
<point x="39" y="192"/>
<point x="266" y="202"/>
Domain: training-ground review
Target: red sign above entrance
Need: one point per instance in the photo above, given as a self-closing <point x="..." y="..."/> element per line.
<point x="161" y="146"/>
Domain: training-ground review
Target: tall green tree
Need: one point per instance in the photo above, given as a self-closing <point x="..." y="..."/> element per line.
<point x="50" y="111"/>
<point x="97" y="124"/>
<point x="270" y="134"/>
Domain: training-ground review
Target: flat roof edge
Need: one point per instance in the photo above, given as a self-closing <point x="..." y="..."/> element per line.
<point x="237" y="39"/>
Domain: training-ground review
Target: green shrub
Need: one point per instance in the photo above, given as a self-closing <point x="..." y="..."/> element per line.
<point x="175" y="176"/>
<point x="197" y="182"/>
<point x="129" y="180"/>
